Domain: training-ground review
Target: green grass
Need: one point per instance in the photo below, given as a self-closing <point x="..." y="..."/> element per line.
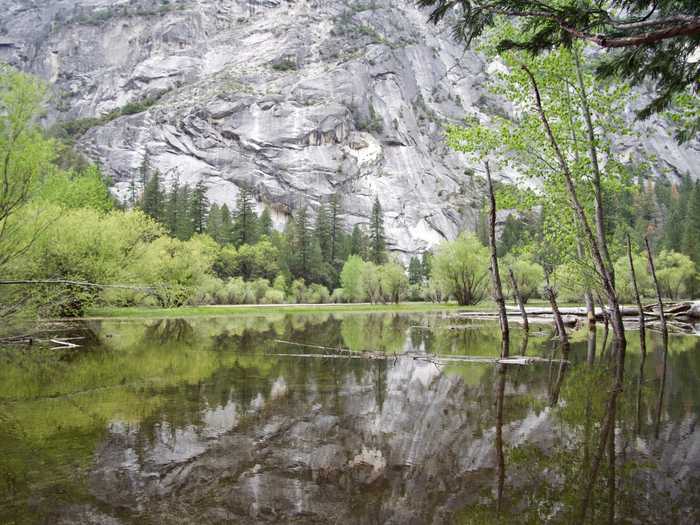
<point x="209" y="311"/>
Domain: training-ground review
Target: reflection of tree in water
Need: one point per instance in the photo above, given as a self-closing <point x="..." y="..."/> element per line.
<point x="164" y="331"/>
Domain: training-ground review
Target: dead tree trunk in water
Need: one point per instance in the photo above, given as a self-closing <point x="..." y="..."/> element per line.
<point x="564" y="340"/>
<point x="642" y="337"/>
<point x="519" y="298"/>
<point x="495" y="276"/>
<point x="664" y="338"/>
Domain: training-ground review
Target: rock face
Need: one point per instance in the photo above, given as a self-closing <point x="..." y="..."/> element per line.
<point x="298" y="99"/>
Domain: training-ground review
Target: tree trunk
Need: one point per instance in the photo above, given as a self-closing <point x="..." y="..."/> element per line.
<point x="598" y="259"/>
<point x="664" y="337"/>
<point x="519" y="298"/>
<point x="642" y="336"/>
<point x="495" y="276"/>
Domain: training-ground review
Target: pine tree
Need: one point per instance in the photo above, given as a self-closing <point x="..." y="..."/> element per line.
<point x="323" y="233"/>
<point x="673" y="238"/>
<point x="145" y="170"/>
<point x="132" y="198"/>
<point x="152" y="199"/>
<point x="265" y="223"/>
<point x="336" y="221"/>
<point x="214" y="223"/>
<point x="415" y="271"/>
<point x="377" y="241"/>
<point x="358" y="242"/>
<point x="245" y="221"/>
<point x="427" y="264"/>
<point x="302" y="240"/>
<point x="172" y="207"/>
<point x="183" y="224"/>
<point x="691" y="234"/>
<point x="226" y="233"/>
<point x="199" y="208"/>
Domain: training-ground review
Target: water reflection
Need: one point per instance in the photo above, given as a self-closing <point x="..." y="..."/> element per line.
<point x="207" y="421"/>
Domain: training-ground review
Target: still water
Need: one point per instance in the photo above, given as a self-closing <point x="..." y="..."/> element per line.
<point x="213" y="420"/>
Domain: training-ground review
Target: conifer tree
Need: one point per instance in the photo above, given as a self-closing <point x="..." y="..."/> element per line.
<point x="377" y="241"/>
<point x="245" y="220"/>
<point x="171" y="207"/>
<point x="145" y="170"/>
<point x="226" y="233"/>
<point x="214" y="223"/>
<point x="427" y="264"/>
<point x="323" y="233"/>
<point x="152" y="199"/>
<point x="336" y="223"/>
<point x="302" y="240"/>
<point x="132" y="197"/>
<point x="183" y="223"/>
<point x="415" y="271"/>
<point x="265" y="223"/>
<point x="358" y="242"/>
<point x="691" y="234"/>
<point x="199" y="208"/>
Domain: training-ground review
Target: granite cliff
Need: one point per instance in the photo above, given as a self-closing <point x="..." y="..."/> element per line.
<point x="298" y="99"/>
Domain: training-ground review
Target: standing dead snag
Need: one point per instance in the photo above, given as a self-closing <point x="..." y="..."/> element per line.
<point x="664" y="337"/>
<point x="642" y="335"/>
<point x="495" y="276"/>
<point x="519" y="299"/>
<point x="564" y="340"/>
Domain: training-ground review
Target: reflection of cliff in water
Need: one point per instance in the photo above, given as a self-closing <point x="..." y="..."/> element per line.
<point x="217" y="430"/>
<point x="328" y="442"/>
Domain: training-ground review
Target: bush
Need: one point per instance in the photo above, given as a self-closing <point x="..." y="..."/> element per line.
<point x="338" y="296"/>
<point x="460" y="267"/>
<point x="273" y="296"/>
<point x="317" y="294"/>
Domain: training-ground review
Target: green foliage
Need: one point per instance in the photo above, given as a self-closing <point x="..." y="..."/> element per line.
<point x="85" y="189"/>
<point x="529" y="276"/>
<point x="152" y="201"/>
<point x="623" y="278"/>
<point x="377" y="240"/>
<point x="676" y="273"/>
<point x="394" y="283"/>
<point x="461" y="268"/>
<point x="415" y="271"/>
<point x="653" y="51"/>
<point x="245" y="223"/>
<point x="351" y="279"/>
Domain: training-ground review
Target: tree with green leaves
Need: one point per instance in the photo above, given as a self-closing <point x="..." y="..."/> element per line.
<point x="245" y="223"/>
<point x="691" y="233"/>
<point x="335" y="211"/>
<point x="377" y="240"/>
<point x="171" y="207"/>
<point x="199" y="208"/>
<point x="214" y="223"/>
<point x="226" y="232"/>
<point x="359" y="242"/>
<point x="184" y="228"/>
<point x="351" y="279"/>
<point x="415" y="271"/>
<point x="152" y="200"/>
<point x="461" y="267"/>
<point x="265" y="226"/>
<point x="649" y="40"/>
<point x="323" y="233"/>
<point x="25" y="157"/>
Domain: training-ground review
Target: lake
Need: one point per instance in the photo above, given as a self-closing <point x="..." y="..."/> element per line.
<point x="344" y="418"/>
